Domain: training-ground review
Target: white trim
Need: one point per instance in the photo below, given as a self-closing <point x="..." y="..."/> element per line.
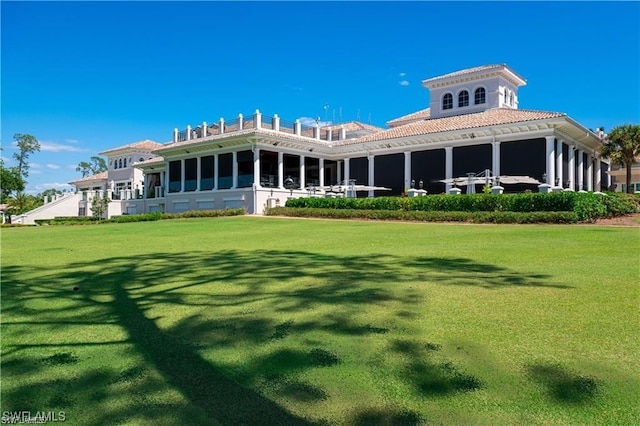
<point x="234" y="198"/>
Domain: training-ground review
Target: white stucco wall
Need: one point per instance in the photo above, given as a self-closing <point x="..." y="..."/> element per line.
<point x="65" y="206"/>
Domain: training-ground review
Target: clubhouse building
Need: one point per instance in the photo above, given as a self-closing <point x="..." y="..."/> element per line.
<point x="473" y="125"/>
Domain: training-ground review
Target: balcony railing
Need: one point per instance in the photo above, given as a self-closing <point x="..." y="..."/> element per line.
<point x="259" y="121"/>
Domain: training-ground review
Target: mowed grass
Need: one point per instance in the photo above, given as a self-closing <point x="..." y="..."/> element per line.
<point x="250" y="320"/>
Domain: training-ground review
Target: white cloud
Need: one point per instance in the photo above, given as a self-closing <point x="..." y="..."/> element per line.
<point x="53" y="166"/>
<point x="402" y="74"/>
<point x="71" y="140"/>
<point x="308" y="121"/>
<point x="404" y="83"/>
<point x="35" y="165"/>
<point x="71" y="166"/>
<point x="54" y="185"/>
<point x="58" y="147"/>
<point x="35" y="172"/>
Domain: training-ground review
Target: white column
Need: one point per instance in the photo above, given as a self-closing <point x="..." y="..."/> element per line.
<point x="182" y="175"/>
<point x="598" y="183"/>
<point x="280" y="170"/>
<point x="580" y="170"/>
<point x="175" y="135"/>
<point x="188" y="133"/>
<point x="256" y="167"/>
<point x="276" y="122"/>
<point x="608" y="175"/>
<point x="234" y="164"/>
<point x="448" y="166"/>
<point x="589" y="173"/>
<point x="240" y="123"/>
<point x="221" y="125"/>
<point x="407" y="170"/>
<point x="321" y="167"/>
<point x="198" y="171"/>
<point x="205" y="129"/>
<point x="215" y="171"/>
<point x="346" y="172"/>
<point x="550" y="158"/>
<point x="559" y="174"/>
<point x="302" y="173"/>
<point x="571" y="165"/>
<point x="338" y="171"/>
<point x="495" y="162"/>
<point x="371" y="172"/>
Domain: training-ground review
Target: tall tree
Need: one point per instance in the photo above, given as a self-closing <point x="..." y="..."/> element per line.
<point x="622" y="147"/>
<point x="27" y="145"/>
<point x="93" y="167"/>
<point x="10" y="181"/>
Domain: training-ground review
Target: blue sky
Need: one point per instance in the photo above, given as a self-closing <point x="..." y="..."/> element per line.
<point x="84" y="77"/>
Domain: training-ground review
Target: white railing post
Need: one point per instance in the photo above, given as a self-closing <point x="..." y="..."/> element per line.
<point x="257" y="119"/>
<point x="188" y="136"/>
<point x="205" y="130"/>
<point x="329" y="135"/>
<point x="275" y="121"/>
<point x="240" y="121"/>
<point x="296" y="127"/>
<point x="343" y="133"/>
<point x="175" y="135"/>
<point x="221" y="126"/>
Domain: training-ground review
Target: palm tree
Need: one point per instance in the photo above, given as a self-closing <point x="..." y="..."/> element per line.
<point x="622" y="147"/>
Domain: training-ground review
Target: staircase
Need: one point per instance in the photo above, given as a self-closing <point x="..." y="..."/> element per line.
<point x="66" y="205"/>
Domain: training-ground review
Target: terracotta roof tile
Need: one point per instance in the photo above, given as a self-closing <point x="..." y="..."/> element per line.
<point x="145" y="145"/>
<point x="98" y="176"/>
<point x="490" y="117"/>
<point x="414" y="116"/>
<point x="352" y="126"/>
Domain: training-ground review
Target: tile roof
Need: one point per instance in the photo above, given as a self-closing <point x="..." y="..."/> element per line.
<point x="144" y="145"/>
<point x="98" y="176"/>
<point x="414" y="116"/>
<point x="467" y="71"/>
<point x="353" y="126"/>
<point x="490" y="117"/>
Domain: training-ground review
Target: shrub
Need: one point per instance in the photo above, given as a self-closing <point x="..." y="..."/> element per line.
<point x="428" y="216"/>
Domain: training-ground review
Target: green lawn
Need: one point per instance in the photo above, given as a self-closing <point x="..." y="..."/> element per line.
<point x="248" y="320"/>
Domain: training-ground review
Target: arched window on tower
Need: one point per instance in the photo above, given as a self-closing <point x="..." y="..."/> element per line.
<point x="120" y="163"/>
<point x="511" y="99"/>
<point x="463" y="99"/>
<point x="447" y="101"/>
<point x="480" y="96"/>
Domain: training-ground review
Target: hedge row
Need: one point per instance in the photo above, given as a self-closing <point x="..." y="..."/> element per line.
<point x="587" y="206"/>
<point x="145" y="217"/>
<point x="428" y="216"/>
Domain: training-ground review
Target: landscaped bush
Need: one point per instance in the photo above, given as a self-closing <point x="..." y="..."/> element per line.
<point x="428" y="216"/>
<point x="585" y="206"/>
<point x="143" y="217"/>
<point x="619" y="203"/>
<point x="67" y="220"/>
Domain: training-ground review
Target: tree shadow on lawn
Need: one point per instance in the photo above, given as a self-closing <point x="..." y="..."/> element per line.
<point x="120" y="291"/>
<point x="564" y="386"/>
